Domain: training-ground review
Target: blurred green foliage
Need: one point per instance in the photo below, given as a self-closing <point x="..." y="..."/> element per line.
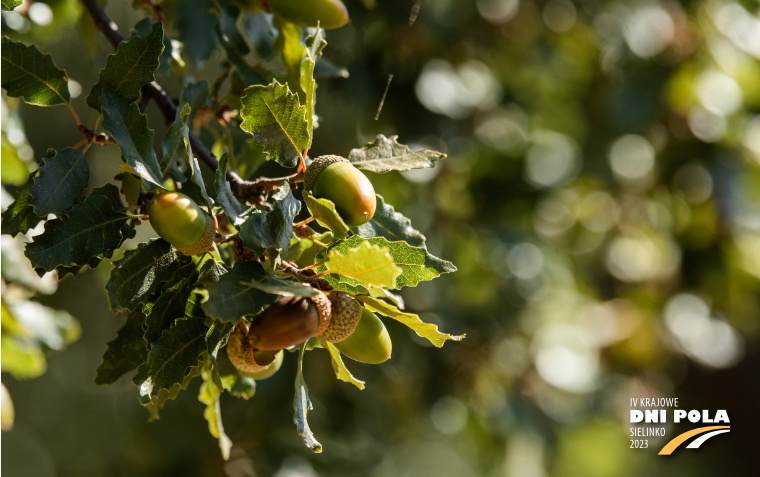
<point x="600" y="199"/>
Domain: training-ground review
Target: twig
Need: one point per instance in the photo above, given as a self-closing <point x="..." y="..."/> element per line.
<point x="169" y="110"/>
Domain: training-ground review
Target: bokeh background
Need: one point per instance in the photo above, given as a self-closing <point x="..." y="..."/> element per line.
<point x="601" y="198"/>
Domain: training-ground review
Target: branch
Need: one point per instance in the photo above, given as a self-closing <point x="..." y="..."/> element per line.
<point x="250" y="191"/>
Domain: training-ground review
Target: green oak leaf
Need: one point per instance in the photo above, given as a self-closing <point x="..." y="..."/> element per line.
<point x="341" y="372"/>
<point x="19" y="217"/>
<point x="386" y="154"/>
<point x="195" y="23"/>
<point x="209" y="395"/>
<point x="282" y="287"/>
<point x="232" y="296"/>
<point x="397" y="300"/>
<point x="193" y="94"/>
<point x="354" y="289"/>
<point x="417" y="265"/>
<point x="130" y="68"/>
<point x="125" y="352"/>
<point x="273" y="228"/>
<point x="302" y="406"/>
<point x="170" y="304"/>
<point x="428" y="331"/>
<point x="390" y="224"/>
<point x="90" y="232"/>
<point x="369" y="264"/>
<point x="323" y="210"/>
<point x="235" y="211"/>
<point x="233" y="43"/>
<point x="314" y="46"/>
<point x="9" y="5"/>
<point x="32" y="76"/>
<point x="60" y="182"/>
<point x="195" y="168"/>
<point x="144" y="28"/>
<point x="170" y="358"/>
<point x="157" y="402"/>
<point x="130" y="130"/>
<point x="141" y="273"/>
<point x="273" y="115"/>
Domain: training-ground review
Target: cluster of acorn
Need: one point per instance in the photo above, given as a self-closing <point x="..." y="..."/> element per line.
<point x="256" y="348"/>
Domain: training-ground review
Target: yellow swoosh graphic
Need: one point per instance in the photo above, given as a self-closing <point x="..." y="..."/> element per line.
<point x="681" y="438"/>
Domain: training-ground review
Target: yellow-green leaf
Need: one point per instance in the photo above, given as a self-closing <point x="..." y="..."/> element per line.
<point x="370" y="264"/>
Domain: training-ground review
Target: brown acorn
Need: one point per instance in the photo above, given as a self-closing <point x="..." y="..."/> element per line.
<point x="243" y="356"/>
<point x="346" y="313"/>
<point x="288" y="322"/>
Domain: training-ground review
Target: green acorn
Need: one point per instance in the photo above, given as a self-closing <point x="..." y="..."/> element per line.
<point x="335" y="179"/>
<point x="270" y="370"/>
<point x="181" y="222"/>
<point x="369" y="343"/>
<point x="327" y="13"/>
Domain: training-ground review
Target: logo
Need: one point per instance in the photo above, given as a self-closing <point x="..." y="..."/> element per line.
<point x="707" y="432"/>
<point x="650" y="416"/>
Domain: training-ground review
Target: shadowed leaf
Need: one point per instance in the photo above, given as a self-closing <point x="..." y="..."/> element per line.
<point x="60" y="182"/>
<point x="386" y="154"/>
<point x="125" y="353"/>
<point x="32" y="76"/>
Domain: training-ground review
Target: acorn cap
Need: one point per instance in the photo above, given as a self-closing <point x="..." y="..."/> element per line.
<point x="317" y="166"/>
<point x="346" y="313"/>
<point x="243" y="356"/>
<point x="204" y="244"/>
<point x="324" y="308"/>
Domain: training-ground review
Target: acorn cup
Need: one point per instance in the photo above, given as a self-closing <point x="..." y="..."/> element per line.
<point x="288" y="322"/>
<point x="244" y="357"/>
<point x="369" y="343"/>
<point x="177" y="219"/>
<point x="335" y="179"/>
<point x="327" y="13"/>
<point x="346" y="313"/>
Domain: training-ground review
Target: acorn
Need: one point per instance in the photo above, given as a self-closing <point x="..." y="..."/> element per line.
<point x="336" y="179"/>
<point x="181" y="222"/>
<point x="327" y="13"/>
<point x="288" y="322"/>
<point x="346" y="313"/>
<point x="369" y="343"/>
<point x="244" y="357"/>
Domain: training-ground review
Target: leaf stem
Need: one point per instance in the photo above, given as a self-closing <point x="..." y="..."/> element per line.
<point x="74" y="113"/>
<point x="315" y="265"/>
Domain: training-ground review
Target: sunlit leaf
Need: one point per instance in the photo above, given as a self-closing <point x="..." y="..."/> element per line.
<point x="428" y="331"/>
<point x="369" y="264"/>
<point x="341" y="372"/>
<point x="386" y="154"/>
<point x="209" y="395"/>
<point x="277" y="121"/>
<point x="323" y="210"/>
<point x="32" y="76"/>
<point x="416" y="263"/>
<point x="9" y="5"/>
